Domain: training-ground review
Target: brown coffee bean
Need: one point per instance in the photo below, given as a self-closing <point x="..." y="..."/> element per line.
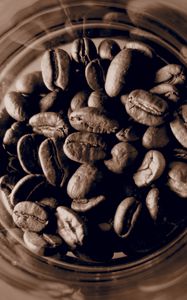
<point x="126" y="216"/>
<point x="54" y="163"/>
<point x="152" y="167"/>
<point x="123" y="155"/>
<point x="167" y="90"/>
<point x="171" y="73"/>
<point x="95" y="74"/>
<point x="85" y="147"/>
<point x="70" y="227"/>
<point x="177" y="178"/>
<point x="99" y="99"/>
<point x="53" y="101"/>
<point x="31" y="83"/>
<point x="79" y="100"/>
<point x="108" y="48"/>
<point x="87" y="204"/>
<point x="93" y="119"/>
<point x="27" y="151"/>
<point x="179" y="130"/>
<point x="156" y="137"/>
<point x="152" y="203"/>
<point x="30" y="216"/>
<point x="146" y="108"/>
<point x="50" y="124"/>
<point x="25" y="187"/>
<point x="85" y="181"/>
<point x="56" y="68"/>
<point x="83" y="50"/>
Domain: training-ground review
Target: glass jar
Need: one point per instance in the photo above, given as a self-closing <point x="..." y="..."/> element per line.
<point x="27" y="29"/>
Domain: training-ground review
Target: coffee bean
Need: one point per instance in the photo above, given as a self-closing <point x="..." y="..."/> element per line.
<point x="79" y="100"/>
<point x="30" y="216"/>
<point x="5" y="121"/>
<point x="54" y="163"/>
<point x="56" y="68"/>
<point x="167" y="90"/>
<point x="126" y="216"/>
<point x="95" y="74"/>
<point x="108" y="48"/>
<point x="27" y="150"/>
<point x="179" y="130"/>
<point x="93" y="119"/>
<point x="177" y="178"/>
<point x="152" y="167"/>
<point x="146" y="108"/>
<point x="50" y="124"/>
<point x="85" y="181"/>
<point x="87" y="204"/>
<point x="25" y="187"/>
<point x="123" y="155"/>
<point x="83" y="50"/>
<point x="70" y="227"/>
<point x="156" y="137"/>
<point x="53" y="101"/>
<point x="85" y="147"/>
<point x="152" y="203"/>
<point x="99" y="99"/>
<point x="31" y="83"/>
<point x="171" y="73"/>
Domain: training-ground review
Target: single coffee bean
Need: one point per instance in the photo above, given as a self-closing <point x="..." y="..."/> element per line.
<point x="31" y="83"/>
<point x="85" y="181"/>
<point x="179" y="130"/>
<point x="53" y="101"/>
<point x="85" y="147"/>
<point x="126" y="216"/>
<point x="54" y="163"/>
<point x="99" y="99"/>
<point x="93" y="119"/>
<point x="44" y="244"/>
<point x="140" y="46"/>
<point x="13" y="134"/>
<point x="167" y="90"/>
<point x="95" y="74"/>
<point x="5" y="121"/>
<point x="20" y="108"/>
<point x="87" y="204"/>
<point x="152" y="203"/>
<point x="30" y="216"/>
<point x="56" y="69"/>
<point x="50" y="124"/>
<point x="70" y="227"/>
<point x="146" y="108"/>
<point x="131" y="133"/>
<point x="152" y="167"/>
<point x="177" y="178"/>
<point x="156" y="137"/>
<point x="123" y="155"/>
<point x="79" y="100"/>
<point x="108" y="48"/>
<point x="83" y="50"/>
<point x="171" y="73"/>
<point x="25" y="187"/>
<point x="27" y="151"/>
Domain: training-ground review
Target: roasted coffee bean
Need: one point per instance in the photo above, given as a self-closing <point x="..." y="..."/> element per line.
<point x="171" y="73"/>
<point x="177" y="178"/>
<point x="30" y="216"/>
<point x="156" y="137"/>
<point x="25" y="187"/>
<point x="13" y="134"/>
<point x="131" y="133"/>
<point x="27" y="151"/>
<point x="87" y="204"/>
<point x="179" y="130"/>
<point x="152" y="167"/>
<point x="5" y="121"/>
<point x="146" y="108"/>
<point x="19" y="107"/>
<point x="30" y="83"/>
<point x="95" y="74"/>
<point x="167" y="90"/>
<point x="108" y="48"/>
<point x="79" y="100"/>
<point x="93" y="119"/>
<point x="153" y="203"/>
<point x="54" y="163"/>
<point x="85" y="147"/>
<point x="44" y="244"/>
<point x="123" y="155"/>
<point x="50" y="124"/>
<point x="53" y="101"/>
<point x="71" y="227"/>
<point x="100" y="100"/>
<point x="83" y="50"/>
<point x="85" y="181"/>
<point x="56" y="69"/>
<point x="126" y="216"/>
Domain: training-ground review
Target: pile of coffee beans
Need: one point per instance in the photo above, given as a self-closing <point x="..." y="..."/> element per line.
<point x="94" y="151"/>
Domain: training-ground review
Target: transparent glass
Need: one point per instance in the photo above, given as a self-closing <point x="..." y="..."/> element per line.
<point x="25" y="32"/>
